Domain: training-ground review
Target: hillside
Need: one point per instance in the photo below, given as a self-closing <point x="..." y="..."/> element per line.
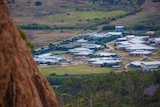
<point x="21" y="83"/>
<point x="146" y="20"/>
<point x="56" y="20"/>
<point x="64" y="12"/>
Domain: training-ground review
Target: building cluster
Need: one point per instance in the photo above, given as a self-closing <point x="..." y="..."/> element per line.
<point x="140" y="46"/>
<point x="135" y="45"/>
<point x="84" y="47"/>
<point x="51" y="59"/>
<point x="92" y="49"/>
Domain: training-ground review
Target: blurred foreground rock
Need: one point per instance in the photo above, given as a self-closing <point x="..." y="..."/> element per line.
<point x="21" y="83"/>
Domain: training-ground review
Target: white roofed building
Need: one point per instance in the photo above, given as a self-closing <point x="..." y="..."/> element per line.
<point x="146" y="66"/>
<point x="119" y="29"/>
<point x="81" y="51"/>
<point x="115" y="34"/>
<point x="157" y="40"/>
<point x="48" y="59"/>
<point x="82" y="41"/>
<point x="105" y="54"/>
<point x="90" y="46"/>
<point x="135" y="47"/>
<point x="96" y="35"/>
<point x="150" y="66"/>
<point x="140" y="53"/>
<point x="104" y="62"/>
<point x="135" y="64"/>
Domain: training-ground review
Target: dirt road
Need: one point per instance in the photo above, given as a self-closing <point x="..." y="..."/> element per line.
<point x="148" y="8"/>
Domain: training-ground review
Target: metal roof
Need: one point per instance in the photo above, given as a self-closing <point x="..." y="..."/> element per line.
<point x="140" y="52"/>
<point x="105" y="54"/>
<point x="114" y="33"/>
<point x="151" y="63"/>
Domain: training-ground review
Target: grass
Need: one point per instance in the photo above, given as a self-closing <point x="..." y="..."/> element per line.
<point x="75" y="69"/>
<point x="96" y="14"/>
<point x="75" y="16"/>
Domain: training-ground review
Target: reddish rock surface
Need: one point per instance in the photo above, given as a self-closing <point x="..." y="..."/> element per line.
<point x="21" y="83"/>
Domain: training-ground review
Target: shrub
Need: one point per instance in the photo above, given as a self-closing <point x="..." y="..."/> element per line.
<point x="38" y="3"/>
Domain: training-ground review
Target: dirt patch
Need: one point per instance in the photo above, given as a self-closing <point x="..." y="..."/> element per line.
<point x="44" y="37"/>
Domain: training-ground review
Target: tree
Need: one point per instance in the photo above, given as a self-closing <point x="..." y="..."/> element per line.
<point x="38" y="3"/>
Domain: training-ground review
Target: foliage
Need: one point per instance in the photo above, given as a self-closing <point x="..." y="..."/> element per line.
<point x="38" y="3"/>
<point x="23" y="35"/>
<point x="144" y="27"/>
<point x="124" y="89"/>
<point x="108" y="27"/>
<point x="152" y="101"/>
<point x="36" y="26"/>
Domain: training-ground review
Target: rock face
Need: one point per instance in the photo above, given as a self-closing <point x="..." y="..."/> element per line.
<point x="21" y="83"/>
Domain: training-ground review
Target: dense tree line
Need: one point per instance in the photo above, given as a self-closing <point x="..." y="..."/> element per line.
<point x="145" y="27"/>
<point x="125" y="89"/>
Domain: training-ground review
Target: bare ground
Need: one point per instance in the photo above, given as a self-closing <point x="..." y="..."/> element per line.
<point x="44" y="37"/>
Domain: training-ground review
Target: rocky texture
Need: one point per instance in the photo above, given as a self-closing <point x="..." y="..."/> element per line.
<point x="21" y="83"/>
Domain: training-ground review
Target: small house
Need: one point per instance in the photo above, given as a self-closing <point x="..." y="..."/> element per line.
<point x="119" y="29"/>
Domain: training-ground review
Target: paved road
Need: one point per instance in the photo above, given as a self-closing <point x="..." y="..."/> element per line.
<point x="149" y="8"/>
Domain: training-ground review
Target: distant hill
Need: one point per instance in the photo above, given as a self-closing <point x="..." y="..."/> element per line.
<point x="72" y="13"/>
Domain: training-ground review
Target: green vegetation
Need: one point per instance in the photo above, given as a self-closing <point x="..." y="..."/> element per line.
<point x="86" y="15"/>
<point x="74" y="70"/>
<point x="23" y="35"/>
<point x="123" y="89"/>
<point x="86" y="86"/>
<point x="148" y="23"/>
<point x="86" y="20"/>
<point x="38" y="3"/>
<point x="134" y="4"/>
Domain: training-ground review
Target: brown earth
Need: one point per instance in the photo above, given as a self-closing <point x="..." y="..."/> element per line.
<point x="21" y="83"/>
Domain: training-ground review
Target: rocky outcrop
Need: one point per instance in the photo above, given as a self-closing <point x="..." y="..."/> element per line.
<point x="21" y="83"/>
